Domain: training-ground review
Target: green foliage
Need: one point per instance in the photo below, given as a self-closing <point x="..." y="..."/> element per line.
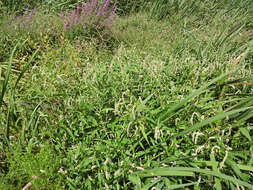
<point x="11" y="6"/>
<point x="126" y="7"/>
<point x="38" y="165"/>
<point x="204" y="10"/>
<point x="154" y="104"/>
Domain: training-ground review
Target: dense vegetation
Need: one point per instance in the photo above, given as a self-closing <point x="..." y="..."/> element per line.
<point x="131" y="94"/>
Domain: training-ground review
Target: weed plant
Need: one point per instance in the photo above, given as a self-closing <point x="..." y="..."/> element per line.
<point x="168" y="107"/>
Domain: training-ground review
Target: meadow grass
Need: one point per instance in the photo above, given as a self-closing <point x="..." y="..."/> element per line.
<point x="161" y="102"/>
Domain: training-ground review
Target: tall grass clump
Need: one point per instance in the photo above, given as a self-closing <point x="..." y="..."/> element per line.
<point x="205" y="9"/>
<point x="11" y="6"/>
<point x="170" y="107"/>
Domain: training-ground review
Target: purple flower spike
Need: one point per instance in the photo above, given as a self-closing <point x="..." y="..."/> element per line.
<point x="106" y="4"/>
<point x="83" y="4"/>
<point x="97" y="13"/>
<point x="26" y="11"/>
<point x="34" y="10"/>
<point x="75" y="19"/>
<point x="65" y="27"/>
<point x="61" y="15"/>
<point x="73" y="12"/>
<point x="66" y="15"/>
<point x="93" y="3"/>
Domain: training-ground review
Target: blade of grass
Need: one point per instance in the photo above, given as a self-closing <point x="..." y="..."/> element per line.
<point x="164" y="172"/>
<point x="246" y="133"/>
<point x="148" y="186"/>
<point x="158" y="171"/>
<point x="211" y="120"/>
<point x="235" y="168"/>
<point x="29" y="123"/>
<point x="7" y="76"/>
<point x="246" y="168"/>
<point x="215" y="168"/>
<point x="181" y="186"/>
<point x="177" y="106"/>
<point x="136" y="181"/>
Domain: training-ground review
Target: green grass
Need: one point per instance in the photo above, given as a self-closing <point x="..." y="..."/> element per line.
<point x="163" y="102"/>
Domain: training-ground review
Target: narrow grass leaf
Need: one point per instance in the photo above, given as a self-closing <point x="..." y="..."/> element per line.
<point x="165" y="172"/>
<point x="235" y="168"/>
<point x="136" y="181"/>
<point x="246" y="168"/>
<point x="211" y="120"/>
<point x="148" y="186"/>
<point x="181" y="186"/>
<point x="245" y="132"/>
<point x="191" y="96"/>
<point x="5" y="83"/>
<point x="150" y="173"/>
<point x="29" y="123"/>
<point x="215" y="168"/>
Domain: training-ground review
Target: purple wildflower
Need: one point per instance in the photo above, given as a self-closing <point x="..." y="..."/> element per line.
<point x="93" y="3"/>
<point x="106" y="4"/>
<point x="61" y="15"/>
<point x="73" y="13"/>
<point x="83" y="4"/>
<point x="66" y="15"/>
<point x="65" y="27"/>
<point x="75" y="19"/>
<point x="97" y="13"/>
<point x="34" y="10"/>
<point x="26" y="11"/>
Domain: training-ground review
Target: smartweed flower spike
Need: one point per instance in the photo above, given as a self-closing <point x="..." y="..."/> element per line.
<point x="34" y="10"/>
<point x="61" y="15"/>
<point x="96" y="13"/>
<point x="73" y="12"/>
<point x="26" y="11"/>
<point x="75" y="19"/>
<point x="65" y="27"/>
<point x="106" y="4"/>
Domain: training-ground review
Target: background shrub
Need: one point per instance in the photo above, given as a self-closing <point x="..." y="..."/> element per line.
<point x="18" y="5"/>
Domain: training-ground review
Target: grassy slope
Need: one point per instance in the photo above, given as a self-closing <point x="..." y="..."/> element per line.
<point x="91" y="118"/>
